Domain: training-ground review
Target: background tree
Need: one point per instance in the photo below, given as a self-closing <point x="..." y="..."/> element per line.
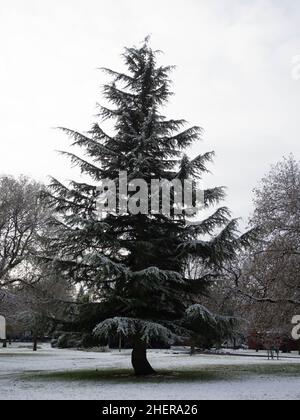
<point x="24" y="213"/>
<point x="277" y="212"/>
<point x="263" y="284"/>
<point x="37" y="307"/>
<point x="272" y="269"/>
<point x="22" y="217"/>
<point x="135" y="265"/>
<point x="42" y="306"/>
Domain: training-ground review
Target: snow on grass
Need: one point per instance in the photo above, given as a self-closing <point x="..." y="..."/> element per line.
<point x="70" y="374"/>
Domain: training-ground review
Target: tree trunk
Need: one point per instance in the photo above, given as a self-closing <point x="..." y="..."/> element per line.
<point x="120" y="343"/>
<point x="234" y="343"/>
<point x="35" y="343"/>
<point x="139" y="360"/>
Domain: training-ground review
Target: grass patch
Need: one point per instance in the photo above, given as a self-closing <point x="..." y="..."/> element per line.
<point x="202" y="374"/>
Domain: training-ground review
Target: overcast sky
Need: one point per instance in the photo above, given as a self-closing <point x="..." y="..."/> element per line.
<point x="234" y="77"/>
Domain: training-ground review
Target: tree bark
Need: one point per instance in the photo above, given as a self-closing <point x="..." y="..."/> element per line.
<point x="139" y="360"/>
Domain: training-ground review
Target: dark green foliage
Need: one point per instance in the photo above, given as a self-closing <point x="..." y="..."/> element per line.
<point x="135" y="265"/>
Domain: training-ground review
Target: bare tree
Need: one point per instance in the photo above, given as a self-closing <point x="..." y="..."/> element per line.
<point x="22" y="216"/>
<point x="27" y="290"/>
<point x="273" y="269"/>
<point x="36" y="307"/>
<point x="263" y="283"/>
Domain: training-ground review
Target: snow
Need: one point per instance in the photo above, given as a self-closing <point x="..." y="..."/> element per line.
<point x="18" y="361"/>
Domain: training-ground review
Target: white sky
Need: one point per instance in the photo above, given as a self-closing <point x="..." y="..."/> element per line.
<point x="233" y="78"/>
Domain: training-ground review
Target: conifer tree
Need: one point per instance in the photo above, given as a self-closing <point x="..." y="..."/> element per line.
<point x="134" y="265"/>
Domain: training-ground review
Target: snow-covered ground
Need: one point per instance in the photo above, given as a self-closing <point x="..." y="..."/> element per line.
<point x="21" y="376"/>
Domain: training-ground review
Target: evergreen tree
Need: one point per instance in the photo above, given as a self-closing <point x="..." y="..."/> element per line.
<point x="135" y="265"/>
